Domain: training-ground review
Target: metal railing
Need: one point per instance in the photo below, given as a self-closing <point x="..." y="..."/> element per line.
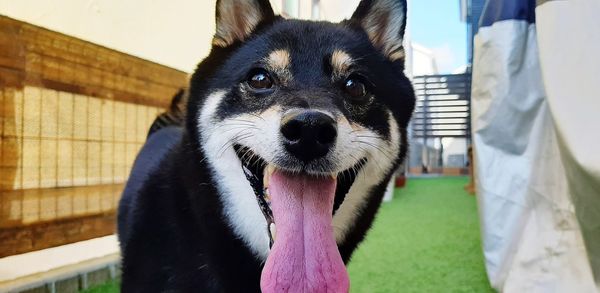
<point x="443" y="106"/>
<point x="443" y="110"/>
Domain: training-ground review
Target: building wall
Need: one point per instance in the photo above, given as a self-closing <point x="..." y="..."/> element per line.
<point x="423" y="61"/>
<point x="175" y="33"/>
<point x="337" y="10"/>
<point x="471" y="11"/>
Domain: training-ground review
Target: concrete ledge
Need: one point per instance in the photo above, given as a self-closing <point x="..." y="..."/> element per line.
<point x="43" y="269"/>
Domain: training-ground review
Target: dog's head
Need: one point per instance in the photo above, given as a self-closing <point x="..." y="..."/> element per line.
<point x="312" y="112"/>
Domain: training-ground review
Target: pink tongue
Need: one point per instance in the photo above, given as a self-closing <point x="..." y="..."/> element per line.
<point x="304" y="257"/>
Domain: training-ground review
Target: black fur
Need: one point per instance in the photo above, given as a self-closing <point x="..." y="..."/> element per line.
<point x="177" y="240"/>
<point x="173" y="232"/>
<point x="175" y="115"/>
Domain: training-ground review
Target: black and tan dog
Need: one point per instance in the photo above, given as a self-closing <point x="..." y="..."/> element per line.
<point x="292" y="131"/>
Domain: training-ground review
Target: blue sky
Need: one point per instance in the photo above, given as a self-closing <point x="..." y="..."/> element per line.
<point x="436" y="24"/>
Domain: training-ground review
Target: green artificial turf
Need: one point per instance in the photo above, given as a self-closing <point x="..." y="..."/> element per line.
<point x="425" y="240"/>
<point x="110" y="287"/>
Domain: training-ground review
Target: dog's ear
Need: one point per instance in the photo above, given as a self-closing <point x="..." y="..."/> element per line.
<point x="237" y="19"/>
<point x="384" y="21"/>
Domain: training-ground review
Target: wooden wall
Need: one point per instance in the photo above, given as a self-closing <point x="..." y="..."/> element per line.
<point x="73" y="117"/>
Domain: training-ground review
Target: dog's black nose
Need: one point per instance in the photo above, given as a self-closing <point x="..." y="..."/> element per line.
<point x="308" y="135"/>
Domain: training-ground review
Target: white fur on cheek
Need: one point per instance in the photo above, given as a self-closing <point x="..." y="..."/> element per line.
<point x="378" y="165"/>
<point x="239" y="202"/>
<point x="265" y="138"/>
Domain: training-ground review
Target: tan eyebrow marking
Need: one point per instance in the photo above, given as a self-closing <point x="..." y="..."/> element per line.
<point x="340" y="62"/>
<point x="279" y="61"/>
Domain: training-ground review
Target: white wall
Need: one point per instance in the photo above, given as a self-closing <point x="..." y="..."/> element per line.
<point x="454" y="146"/>
<point x="422" y="60"/>
<point x="337" y="10"/>
<point x="176" y="33"/>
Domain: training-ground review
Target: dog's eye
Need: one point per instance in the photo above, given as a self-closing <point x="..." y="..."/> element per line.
<point x="356" y="88"/>
<point x="259" y="79"/>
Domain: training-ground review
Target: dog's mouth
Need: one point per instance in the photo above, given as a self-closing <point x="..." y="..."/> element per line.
<point x="299" y="208"/>
<point x="254" y="168"/>
<point x="258" y="172"/>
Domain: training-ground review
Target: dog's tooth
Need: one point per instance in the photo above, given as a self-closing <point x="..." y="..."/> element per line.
<point x="333" y="175"/>
<point x="270" y="169"/>
<point x="266" y="178"/>
<point x="273" y="230"/>
<point x="268" y="172"/>
<point x="266" y="195"/>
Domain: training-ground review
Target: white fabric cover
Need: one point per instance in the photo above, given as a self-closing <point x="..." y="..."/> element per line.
<point x="531" y="238"/>
<point x="569" y="38"/>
